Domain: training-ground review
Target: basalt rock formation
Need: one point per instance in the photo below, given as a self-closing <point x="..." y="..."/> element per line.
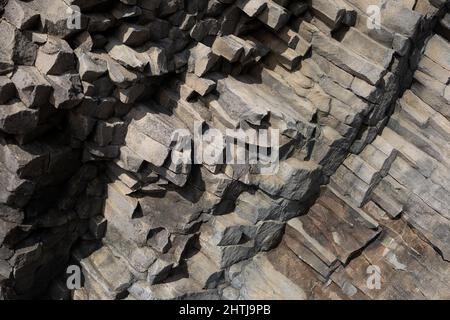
<point x="98" y="98"/>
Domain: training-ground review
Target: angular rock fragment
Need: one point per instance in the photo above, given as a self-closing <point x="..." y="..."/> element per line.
<point x="17" y="48"/>
<point x="335" y="12"/>
<point x="91" y="66"/>
<point x="157" y="61"/>
<point x="19" y="14"/>
<point x="201" y="59"/>
<point x="59" y="18"/>
<point x="119" y="75"/>
<point x="67" y="91"/>
<point x="274" y="15"/>
<point x="16" y="118"/>
<point x="33" y="89"/>
<point x="133" y="35"/>
<point x="126" y="55"/>
<point x="228" y="47"/>
<point x="252" y="8"/>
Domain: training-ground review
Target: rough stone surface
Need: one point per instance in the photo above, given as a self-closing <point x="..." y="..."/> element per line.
<point x="121" y="126"/>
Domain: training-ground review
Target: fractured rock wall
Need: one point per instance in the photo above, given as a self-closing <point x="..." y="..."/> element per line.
<point x="92" y="94"/>
<point x="395" y="219"/>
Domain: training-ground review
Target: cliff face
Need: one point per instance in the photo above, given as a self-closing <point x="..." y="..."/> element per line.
<point x="222" y="149"/>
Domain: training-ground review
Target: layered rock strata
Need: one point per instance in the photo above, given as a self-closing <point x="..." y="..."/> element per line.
<point x="385" y="207"/>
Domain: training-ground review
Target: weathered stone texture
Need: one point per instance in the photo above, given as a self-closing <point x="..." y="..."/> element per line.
<point x="101" y="112"/>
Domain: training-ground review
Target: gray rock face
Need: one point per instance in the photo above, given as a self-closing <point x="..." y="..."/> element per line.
<point x="220" y="149"/>
<point x="55" y="57"/>
<point x="16" y="118"/>
<point x="7" y="89"/>
<point x="20" y="14"/>
<point x="6" y="53"/>
<point x="33" y="89"/>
